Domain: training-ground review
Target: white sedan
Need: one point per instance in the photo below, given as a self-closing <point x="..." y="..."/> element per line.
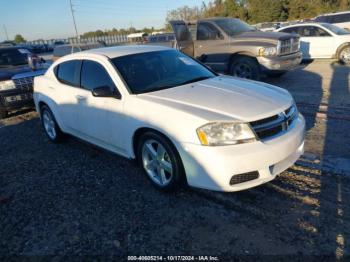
<point x="322" y="40"/>
<point x="181" y="121"/>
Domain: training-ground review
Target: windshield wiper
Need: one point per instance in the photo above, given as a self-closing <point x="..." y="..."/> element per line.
<point x="197" y="79"/>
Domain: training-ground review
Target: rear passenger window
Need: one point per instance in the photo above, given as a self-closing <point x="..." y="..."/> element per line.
<point x="67" y="72"/>
<point x="94" y="75"/>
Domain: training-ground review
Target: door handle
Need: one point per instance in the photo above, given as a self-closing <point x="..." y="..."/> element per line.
<point x="79" y="98"/>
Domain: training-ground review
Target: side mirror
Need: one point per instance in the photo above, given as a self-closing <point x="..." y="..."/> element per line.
<point x="105" y="91"/>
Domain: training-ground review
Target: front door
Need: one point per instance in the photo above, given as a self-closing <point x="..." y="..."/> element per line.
<point x="183" y="37"/>
<point x="100" y="118"/>
<point x="209" y="40"/>
<point x="315" y="42"/>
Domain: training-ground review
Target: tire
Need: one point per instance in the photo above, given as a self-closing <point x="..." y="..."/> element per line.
<point x="344" y="55"/>
<point x="245" y="67"/>
<point x="160" y="161"/>
<point x="51" y="128"/>
<point x="276" y="74"/>
<point x="3" y="114"/>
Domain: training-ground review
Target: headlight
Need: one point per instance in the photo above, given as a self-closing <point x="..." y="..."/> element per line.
<point x="7" y="85"/>
<point x="225" y="133"/>
<point x="268" y="51"/>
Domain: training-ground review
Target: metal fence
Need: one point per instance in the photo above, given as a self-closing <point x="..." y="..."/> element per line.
<point x="109" y="40"/>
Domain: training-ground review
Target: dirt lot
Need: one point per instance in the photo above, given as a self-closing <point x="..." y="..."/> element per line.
<point x="74" y="199"/>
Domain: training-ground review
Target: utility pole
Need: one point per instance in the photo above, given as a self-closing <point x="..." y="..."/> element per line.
<point x="5" y="30"/>
<point x="75" y="25"/>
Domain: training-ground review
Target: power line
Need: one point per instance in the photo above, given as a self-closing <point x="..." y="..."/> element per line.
<point x="75" y="25"/>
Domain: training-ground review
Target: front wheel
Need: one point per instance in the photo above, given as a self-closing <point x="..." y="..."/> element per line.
<point x="344" y="55"/>
<point x="160" y="161"/>
<point x="245" y="67"/>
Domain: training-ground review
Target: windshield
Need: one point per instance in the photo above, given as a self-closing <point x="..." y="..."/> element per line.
<point x="233" y="26"/>
<point x="13" y="57"/>
<point x="336" y="30"/>
<point x="151" y="71"/>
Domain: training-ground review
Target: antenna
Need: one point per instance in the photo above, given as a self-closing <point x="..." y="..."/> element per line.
<point x="75" y="25"/>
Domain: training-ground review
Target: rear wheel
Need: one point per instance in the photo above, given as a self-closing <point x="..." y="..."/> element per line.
<point x="344" y="55"/>
<point x="50" y="125"/>
<point x="3" y="114"/>
<point x="160" y="161"/>
<point x="245" y="67"/>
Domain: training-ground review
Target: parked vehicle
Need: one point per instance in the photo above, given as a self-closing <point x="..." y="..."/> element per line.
<point x="18" y="67"/>
<point x="322" y="40"/>
<point x="165" y="37"/>
<point x="340" y="19"/>
<point x="180" y="120"/>
<point x="62" y="50"/>
<point x="230" y="46"/>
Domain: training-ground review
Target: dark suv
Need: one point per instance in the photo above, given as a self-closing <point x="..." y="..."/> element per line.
<point x="18" y="67"/>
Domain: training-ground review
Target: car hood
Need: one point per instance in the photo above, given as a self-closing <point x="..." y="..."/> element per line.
<point x="12" y="72"/>
<point x="225" y="98"/>
<point x="263" y="36"/>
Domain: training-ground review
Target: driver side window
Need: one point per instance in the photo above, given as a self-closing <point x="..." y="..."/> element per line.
<point x="207" y="31"/>
<point x="94" y="75"/>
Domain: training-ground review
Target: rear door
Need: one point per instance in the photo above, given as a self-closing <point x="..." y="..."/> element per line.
<point x="66" y="92"/>
<point x="183" y="37"/>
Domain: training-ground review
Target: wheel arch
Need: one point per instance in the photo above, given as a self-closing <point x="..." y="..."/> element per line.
<point x="142" y="130"/>
<point x="340" y="48"/>
<point x="240" y="54"/>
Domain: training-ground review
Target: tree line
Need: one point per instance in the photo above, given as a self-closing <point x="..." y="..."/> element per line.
<point x="256" y="11"/>
<point x="251" y="11"/>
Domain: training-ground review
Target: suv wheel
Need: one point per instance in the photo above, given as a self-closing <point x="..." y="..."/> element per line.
<point x="344" y="55"/>
<point x="245" y="67"/>
<point x="49" y="124"/>
<point x="160" y="161"/>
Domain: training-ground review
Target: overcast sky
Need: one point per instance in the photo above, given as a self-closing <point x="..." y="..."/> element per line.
<point x="48" y="19"/>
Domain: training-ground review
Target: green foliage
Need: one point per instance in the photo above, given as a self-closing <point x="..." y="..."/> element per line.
<point x="256" y="11"/>
<point x="19" y="39"/>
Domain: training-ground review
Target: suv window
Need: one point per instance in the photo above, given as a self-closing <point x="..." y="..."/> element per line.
<point x="13" y="56"/>
<point x="341" y="18"/>
<point x="312" y="31"/>
<point x="94" y="75"/>
<point x="207" y="31"/>
<point x="67" y="72"/>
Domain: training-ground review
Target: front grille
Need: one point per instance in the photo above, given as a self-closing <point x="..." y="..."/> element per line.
<point x="24" y="83"/>
<point x="274" y="125"/>
<point x="288" y="46"/>
<point x="241" y="178"/>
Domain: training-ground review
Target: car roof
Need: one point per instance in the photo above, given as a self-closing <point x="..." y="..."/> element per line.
<point x="337" y="13"/>
<point x="117" y="51"/>
<point x="301" y="24"/>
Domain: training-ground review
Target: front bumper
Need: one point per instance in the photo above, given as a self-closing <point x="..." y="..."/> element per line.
<point x="280" y="63"/>
<point x="213" y="167"/>
<point x="15" y="99"/>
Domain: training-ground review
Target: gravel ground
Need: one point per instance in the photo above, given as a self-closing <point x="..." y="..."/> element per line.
<point x="76" y="200"/>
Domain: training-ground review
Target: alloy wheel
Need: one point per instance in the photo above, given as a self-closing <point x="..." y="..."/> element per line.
<point x="49" y="124"/>
<point x="157" y="163"/>
<point x="243" y="70"/>
<point x="345" y="55"/>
